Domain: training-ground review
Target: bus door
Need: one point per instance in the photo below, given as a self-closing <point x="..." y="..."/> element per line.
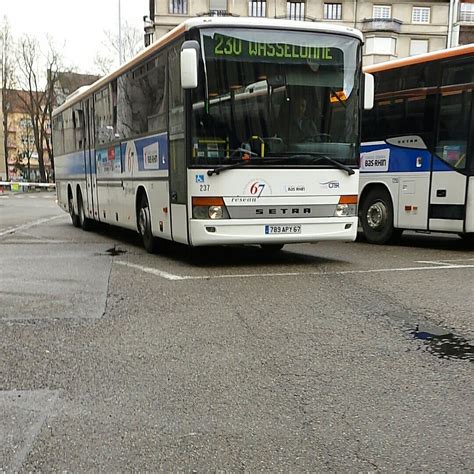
<point x="177" y="150"/>
<point x="91" y="171"/>
<point x="449" y="180"/>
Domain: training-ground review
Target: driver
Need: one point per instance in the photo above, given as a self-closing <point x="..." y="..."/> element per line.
<point x="301" y="126"/>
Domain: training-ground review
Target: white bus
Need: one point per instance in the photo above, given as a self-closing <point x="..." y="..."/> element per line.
<point x="190" y="141"/>
<point x="417" y="160"/>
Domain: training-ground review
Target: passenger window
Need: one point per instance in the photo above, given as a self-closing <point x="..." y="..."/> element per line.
<point x="141" y="99"/>
<point x="455" y="115"/>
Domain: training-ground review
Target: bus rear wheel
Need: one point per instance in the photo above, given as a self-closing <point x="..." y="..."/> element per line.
<point x="84" y="222"/>
<point x="74" y="216"/>
<point x="376" y="216"/>
<point x="144" y="226"/>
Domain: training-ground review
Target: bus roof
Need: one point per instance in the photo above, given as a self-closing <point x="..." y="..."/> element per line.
<point x="206" y="22"/>
<point x="421" y="58"/>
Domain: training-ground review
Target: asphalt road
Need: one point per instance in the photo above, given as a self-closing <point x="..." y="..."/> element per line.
<point x="319" y="358"/>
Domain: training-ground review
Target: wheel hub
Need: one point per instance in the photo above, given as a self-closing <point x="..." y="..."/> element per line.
<point x="377" y="215"/>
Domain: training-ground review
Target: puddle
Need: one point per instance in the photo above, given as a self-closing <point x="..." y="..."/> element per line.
<point x="115" y="251"/>
<point x="444" y="344"/>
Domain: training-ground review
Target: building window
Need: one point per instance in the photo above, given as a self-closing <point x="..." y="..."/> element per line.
<point x="382" y="12"/>
<point x="333" y="11"/>
<point x="295" y="10"/>
<point x="420" y="15"/>
<point x="178" y="7"/>
<point x="257" y="8"/>
<point x="418" y="46"/>
<point x="218" y="6"/>
<point x="466" y="12"/>
<point x="380" y="45"/>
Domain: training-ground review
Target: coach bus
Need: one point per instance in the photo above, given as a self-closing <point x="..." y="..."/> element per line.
<point x="417" y="153"/>
<point x="190" y="141"/>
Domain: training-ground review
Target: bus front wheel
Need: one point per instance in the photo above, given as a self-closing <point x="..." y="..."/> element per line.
<point x="468" y="238"/>
<point x="376" y="216"/>
<point x="271" y="248"/>
<point x="144" y="225"/>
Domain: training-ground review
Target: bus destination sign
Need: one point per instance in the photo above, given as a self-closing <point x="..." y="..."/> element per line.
<point x="228" y="47"/>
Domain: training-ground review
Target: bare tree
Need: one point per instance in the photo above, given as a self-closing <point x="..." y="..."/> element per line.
<point x="132" y="44"/>
<point x="7" y="79"/>
<point x="38" y="100"/>
<point x="27" y="145"/>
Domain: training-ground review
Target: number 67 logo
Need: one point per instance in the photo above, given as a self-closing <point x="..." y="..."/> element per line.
<point x="256" y="188"/>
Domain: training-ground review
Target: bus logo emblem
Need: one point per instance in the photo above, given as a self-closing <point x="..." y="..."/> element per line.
<point x="330" y="184"/>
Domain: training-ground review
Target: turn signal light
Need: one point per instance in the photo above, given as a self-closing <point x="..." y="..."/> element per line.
<point x="348" y="199"/>
<point x="208" y="201"/>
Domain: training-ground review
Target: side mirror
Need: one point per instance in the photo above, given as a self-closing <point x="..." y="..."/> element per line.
<point x="368" y="91"/>
<point x="189" y="64"/>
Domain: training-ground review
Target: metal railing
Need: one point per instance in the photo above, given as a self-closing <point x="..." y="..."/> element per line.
<point x="24" y="186"/>
<point x="466" y="16"/>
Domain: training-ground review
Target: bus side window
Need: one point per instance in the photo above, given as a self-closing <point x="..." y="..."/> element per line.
<point x="454" y="128"/>
<point x="104" y="131"/>
<point x="455" y="113"/>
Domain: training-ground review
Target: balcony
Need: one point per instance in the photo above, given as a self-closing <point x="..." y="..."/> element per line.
<point x="218" y="13"/>
<point x="466" y="16"/>
<point x="391" y="25"/>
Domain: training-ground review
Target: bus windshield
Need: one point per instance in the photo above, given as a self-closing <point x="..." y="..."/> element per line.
<point x="276" y="93"/>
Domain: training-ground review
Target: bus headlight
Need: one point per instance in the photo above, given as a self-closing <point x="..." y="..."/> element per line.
<point x="215" y="212"/>
<point x="342" y="210"/>
<point x="209" y="208"/>
<point x="201" y="212"/>
<point x="347" y="206"/>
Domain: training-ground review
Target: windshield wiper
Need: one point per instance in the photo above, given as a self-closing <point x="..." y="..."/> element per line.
<point x="320" y="156"/>
<point x="254" y="157"/>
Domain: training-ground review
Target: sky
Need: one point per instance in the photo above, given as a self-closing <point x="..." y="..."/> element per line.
<point x="77" y="27"/>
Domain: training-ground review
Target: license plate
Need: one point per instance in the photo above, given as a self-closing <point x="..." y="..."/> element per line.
<point x="282" y="229"/>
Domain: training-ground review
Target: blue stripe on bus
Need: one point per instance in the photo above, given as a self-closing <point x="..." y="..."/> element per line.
<point x="440" y="165"/>
<point x="74" y="164"/>
<point x="404" y="160"/>
<point x="141" y="144"/>
<point x="70" y="165"/>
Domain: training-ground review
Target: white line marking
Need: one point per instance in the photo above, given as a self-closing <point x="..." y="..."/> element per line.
<point x="433" y="262"/>
<point x="32" y="432"/>
<point x="171" y="276"/>
<point x="155" y="271"/>
<point x="12" y="230"/>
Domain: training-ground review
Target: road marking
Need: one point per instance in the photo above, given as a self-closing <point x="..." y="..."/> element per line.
<point x="33" y="408"/>
<point x="172" y="276"/>
<point x="12" y="230"/>
<point x="432" y="262"/>
<point x="155" y="271"/>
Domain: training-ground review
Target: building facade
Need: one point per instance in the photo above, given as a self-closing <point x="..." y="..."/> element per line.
<point x="391" y="29"/>
<point x="22" y="156"/>
<point x="464" y="25"/>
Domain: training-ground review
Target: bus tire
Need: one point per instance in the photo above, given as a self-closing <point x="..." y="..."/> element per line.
<point x="468" y="238"/>
<point x="376" y="216"/>
<point x="74" y="216"/>
<point x="84" y="222"/>
<point x="144" y="225"/>
<point x="271" y="248"/>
